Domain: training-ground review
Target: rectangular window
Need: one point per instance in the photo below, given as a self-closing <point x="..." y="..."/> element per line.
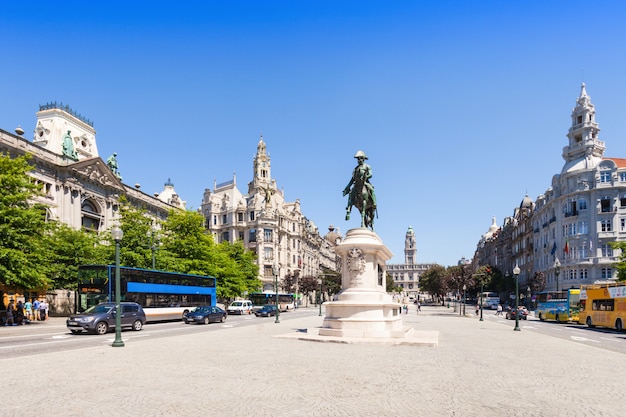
<point x="606" y="225"/>
<point x="607" y="273"/>
<point x="622" y="176"/>
<point x="240" y="217"/>
<point x="214" y="220"/>
<point x="224" y="219"/>
<point x="268" y="235"/>
<point x="583" y="228"/>
<point x="252" y="216"/>
<point x="252" y="235"/>
<point x="241" y="235"/>
<point x="606" y="250"/>
<point x="583" y="274"/>
<point x="225" y="237"/>
<point x="582" y="204"/>
<point x="572" y="229"/>
<point x="268" y="254"/>
<point x="605" y="204"/>
<point x="605" y="176"/>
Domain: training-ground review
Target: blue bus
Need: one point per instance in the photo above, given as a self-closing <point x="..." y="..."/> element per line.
<point x="163" y="295"/>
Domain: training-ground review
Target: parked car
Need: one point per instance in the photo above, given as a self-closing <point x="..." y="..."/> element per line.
<point x="523" y="313"/>
<point x="240" y="307"/>
<point x="206" y="315"/>
<point x="266" y="311"/>
<point x="101" y="318"/>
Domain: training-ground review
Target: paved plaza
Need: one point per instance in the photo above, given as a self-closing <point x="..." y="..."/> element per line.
<point x="479" y="368"/>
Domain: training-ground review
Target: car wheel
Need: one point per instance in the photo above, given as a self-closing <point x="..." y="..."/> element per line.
<point x="137" y="325"/>
<point x="540" y="317"/>
<point x="223" y="319"/>
<point x="185" y="313"/>
<point x="102" y="328"/>
<point x="589" y="323"/>
<point x="76" y="331"/>
<point x="207" y="320"/>
<point x="186" y="321"/>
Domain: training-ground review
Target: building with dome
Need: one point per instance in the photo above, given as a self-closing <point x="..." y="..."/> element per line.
<point x="407" y="275"/>
<point x="287" y="243"/>
<point x="565" y="233"/>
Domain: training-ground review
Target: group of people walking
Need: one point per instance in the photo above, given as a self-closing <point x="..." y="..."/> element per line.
<point x="23" y="313"/>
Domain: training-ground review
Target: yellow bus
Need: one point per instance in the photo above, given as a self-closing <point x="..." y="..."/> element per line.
<point x="603" y="305"/>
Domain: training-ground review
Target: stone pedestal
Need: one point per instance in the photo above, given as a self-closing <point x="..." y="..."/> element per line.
<point x="363" y="309"/>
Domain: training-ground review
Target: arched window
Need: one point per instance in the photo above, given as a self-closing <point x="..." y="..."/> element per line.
<point x="91" y="219"/>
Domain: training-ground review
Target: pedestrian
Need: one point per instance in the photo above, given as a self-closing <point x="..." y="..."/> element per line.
<point x="36" y="315"/>
<point x="499" y="310"/>
<point x="10" y="310"/>
<point x="19" y="313"/>
<point x="43" y="310"/>
<point x="419" y="306"/>
<point x="406" y="309"/>
<point x="477" y="309"/>
<point x="28" y="310"/>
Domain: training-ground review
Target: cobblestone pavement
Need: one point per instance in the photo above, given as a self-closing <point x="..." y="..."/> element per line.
<point x="479" y="368"/>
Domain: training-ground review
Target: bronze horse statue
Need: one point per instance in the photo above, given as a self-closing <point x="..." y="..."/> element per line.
<point x="360" y="192"/>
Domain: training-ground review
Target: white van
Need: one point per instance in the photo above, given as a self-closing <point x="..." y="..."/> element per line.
<point x="240" y="307"/>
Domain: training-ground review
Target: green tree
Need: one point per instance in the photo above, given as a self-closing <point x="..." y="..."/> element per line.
<point x="308" y="285"/>
<point x="71" y="248"/>
<point x="390" y="285"/>
<point x="136" y="245"/>
<point x="24" y="255"/>
<point x="433" y="280"/>
<point x="621" y="264"/>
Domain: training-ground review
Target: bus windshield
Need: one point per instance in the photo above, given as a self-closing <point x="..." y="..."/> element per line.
<point x="286" y="302"/>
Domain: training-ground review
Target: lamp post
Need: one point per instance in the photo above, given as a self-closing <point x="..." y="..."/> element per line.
<point x="320" y="296"/>
<point x="117" y="235"/>
<point x="464" y="299"/>
<point x="516" y="272"/>
<point x="153" y="247"/>
<point x="482" y="289"/>
<point x="557" y="271"/>
<point x="275" y="271"/>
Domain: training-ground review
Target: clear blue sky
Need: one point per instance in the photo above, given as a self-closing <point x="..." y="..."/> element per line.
<point x="462" y="107"/>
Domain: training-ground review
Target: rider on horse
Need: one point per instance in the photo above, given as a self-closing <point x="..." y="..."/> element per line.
<point x="361" y="192"/>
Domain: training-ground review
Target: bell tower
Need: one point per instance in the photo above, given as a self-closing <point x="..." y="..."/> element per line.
<point x="583" y="133"/>
<point x="409" y="247"/>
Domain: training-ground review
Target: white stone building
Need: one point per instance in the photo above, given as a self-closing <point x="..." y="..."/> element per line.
<point x="81" y="189"/>
<point x="285" y="240"/>
<point x="407" y="275"/>
<point x="573" y="221"/>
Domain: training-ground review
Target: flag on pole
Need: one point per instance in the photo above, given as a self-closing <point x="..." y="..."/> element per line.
<point x="553" y="251"/>
<point x="566" y="248"/>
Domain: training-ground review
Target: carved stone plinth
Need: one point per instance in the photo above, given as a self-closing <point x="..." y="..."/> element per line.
<point x="363" y="308"/>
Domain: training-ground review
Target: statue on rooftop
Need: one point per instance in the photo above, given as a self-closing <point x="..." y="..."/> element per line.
<point x="68" y="146"/>
<point x="360" y="192"/>
<point x="112" y="164"/>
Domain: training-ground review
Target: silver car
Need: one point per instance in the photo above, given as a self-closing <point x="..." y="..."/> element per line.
<point x="100" y="319"/>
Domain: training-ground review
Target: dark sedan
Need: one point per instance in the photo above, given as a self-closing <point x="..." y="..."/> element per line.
<point x="206" y="315"/>
<point x="266" y="311"/>
<point x="523" y="313"/>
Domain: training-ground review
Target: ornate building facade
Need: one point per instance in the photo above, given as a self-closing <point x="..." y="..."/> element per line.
<point x="407" y="275"/>
<point x="286" y="242"/>
<point x="80" y="189"/>
<point x="572" y="223"/>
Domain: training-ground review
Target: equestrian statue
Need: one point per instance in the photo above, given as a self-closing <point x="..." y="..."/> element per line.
<point x="360" y="192"/>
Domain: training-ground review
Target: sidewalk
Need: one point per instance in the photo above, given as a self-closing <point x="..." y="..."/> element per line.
<point x="479" y="368"/>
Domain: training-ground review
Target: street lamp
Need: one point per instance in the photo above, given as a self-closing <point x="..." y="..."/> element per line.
<point x="275" y="271"/>
<point x="464" y="299"/>
<point x="117" y="235"/>
<point x="557" y="271"/>
<point x="153" y="247"/>
<point x="320" y="296"/>
<point x="516" y="272"/>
